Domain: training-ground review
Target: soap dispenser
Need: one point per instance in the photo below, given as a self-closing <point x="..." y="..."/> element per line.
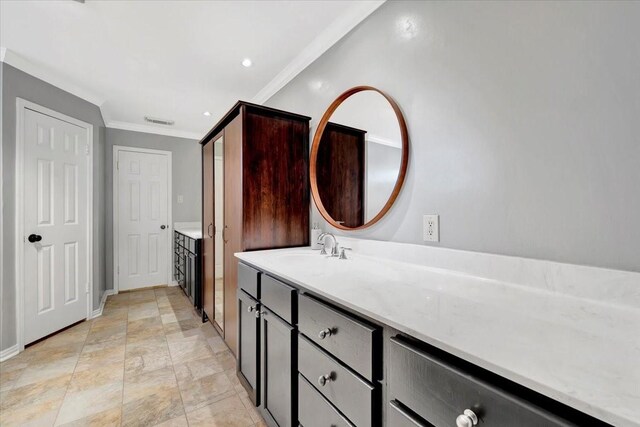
<point x="315" y="233"/>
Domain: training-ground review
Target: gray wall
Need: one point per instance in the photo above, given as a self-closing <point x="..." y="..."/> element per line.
<point x="523" y="119"/>
<point x="186" y="167"/>
<point x="16" y="83"/>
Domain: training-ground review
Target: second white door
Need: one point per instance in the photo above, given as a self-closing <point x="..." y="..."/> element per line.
<point x="143" y="228"/>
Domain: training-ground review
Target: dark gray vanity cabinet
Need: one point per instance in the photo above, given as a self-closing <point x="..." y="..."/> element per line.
<point x="278" y="367"/>
<point x="267" y="352"/>
<point x="309" y="362"/>
<point x="249" y="344"/>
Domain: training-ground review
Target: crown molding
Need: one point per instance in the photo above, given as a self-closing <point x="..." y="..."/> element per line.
<point x="330" y="36"/>
<point x="137" y="127"/>
<point x="9" y="57"/>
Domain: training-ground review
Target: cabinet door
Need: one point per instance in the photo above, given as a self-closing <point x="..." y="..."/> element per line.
<point x="232" y="234"/>
<point x="249" y="344"/>
<point x="208" y="274"/>
<point x="278" y="365"/>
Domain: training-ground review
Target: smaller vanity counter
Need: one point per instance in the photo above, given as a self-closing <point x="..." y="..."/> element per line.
<point x="192" y="230"/>
<point x="570" y="333"/>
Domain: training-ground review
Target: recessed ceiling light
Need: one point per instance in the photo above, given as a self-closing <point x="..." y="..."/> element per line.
<point x="246" y="62"/>
<point x="206" y="113"/>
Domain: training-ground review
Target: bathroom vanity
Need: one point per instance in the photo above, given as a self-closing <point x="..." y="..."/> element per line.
<point x="385" y="338"/>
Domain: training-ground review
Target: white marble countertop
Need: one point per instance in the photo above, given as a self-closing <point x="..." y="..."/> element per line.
<point x="190" y="229"/>
<point x="582" y="352"/>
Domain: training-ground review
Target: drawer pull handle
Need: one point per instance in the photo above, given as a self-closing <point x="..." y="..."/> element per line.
<point x="325" y="333"/>
<point x="467" y="419"/>
<point x="251" y="308"/>
<point x="324" y="379"/>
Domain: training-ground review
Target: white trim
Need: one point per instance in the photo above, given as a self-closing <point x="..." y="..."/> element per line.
<point x="383" y="141"/>
<point x="330" y="36"/>
<point x="8" y="353"/>
<point x="137" y="127"/>
<point x="98" y="311"/>
<point x="114" y="168"/>
<point x="21" y="106"/>
<point x="10" y="57"/>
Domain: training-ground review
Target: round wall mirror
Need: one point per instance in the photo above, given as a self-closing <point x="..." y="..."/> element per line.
<point x="359" y="158"/>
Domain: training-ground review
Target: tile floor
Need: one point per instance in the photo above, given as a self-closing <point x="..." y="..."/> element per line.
<point x="147" y="361"/>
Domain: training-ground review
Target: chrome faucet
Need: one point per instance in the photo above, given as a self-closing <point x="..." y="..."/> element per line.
<point x="334" y="248"/>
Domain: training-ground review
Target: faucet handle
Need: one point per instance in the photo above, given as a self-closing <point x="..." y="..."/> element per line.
<point x="323" y="251"/>
<point x="343" y="255"/>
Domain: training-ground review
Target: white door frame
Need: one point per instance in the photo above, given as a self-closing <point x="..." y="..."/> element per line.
<point x="116" y="150"/>
<point x="21" y="106"/>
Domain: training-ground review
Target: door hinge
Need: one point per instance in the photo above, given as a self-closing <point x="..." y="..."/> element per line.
<point x="86" y="149"/>
<point x="118" y="269"/>
<point x="118" y="165"/>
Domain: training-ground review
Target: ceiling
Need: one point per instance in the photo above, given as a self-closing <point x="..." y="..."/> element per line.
<point x="171" y="59"/>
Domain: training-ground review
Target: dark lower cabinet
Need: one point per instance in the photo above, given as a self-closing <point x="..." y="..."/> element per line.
<point x="279" y="370"/>
<point x="187" y="268"/>
<point x="323" y="366"/>
<point x="249" y="345"/>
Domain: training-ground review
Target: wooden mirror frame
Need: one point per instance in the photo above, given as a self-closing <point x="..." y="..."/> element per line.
<point x="314" y="157"/>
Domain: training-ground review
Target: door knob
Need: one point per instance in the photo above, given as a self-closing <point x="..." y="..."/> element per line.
<point x="162" y="227"/>
<point x="34" y="238"/>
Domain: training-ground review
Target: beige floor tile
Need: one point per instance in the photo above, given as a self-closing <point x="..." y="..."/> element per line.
<point x="46" y="355"/>
<point x="180" y="421"/>
<point x="182" y="326"/>
<point x="226" y="412"/>
<point x="8" y="379"/>
<point x="191" y="348"/>
<point x="98" y="376"/>
<point x="152" y="409"/>
<point x="148" y="383"/>
<point x="100" y="354"/>
<point x="109" y="418"/>
<point x="217" y="344"/>
<point x="205" y="390"/>
<point x="37" y="393"/>
<point x="154" y="346"/>
<point x="143" y="310"/>
<point x="148" y="327"/>
<point x="140" y="364"/>
<point x="87" y="402"/>
<point x="251" y="409"/>
<point x="134" y="366"/>
<point x="44" y="371"/>
<point x="110" y="333"/>
<point x="196" y="369"/>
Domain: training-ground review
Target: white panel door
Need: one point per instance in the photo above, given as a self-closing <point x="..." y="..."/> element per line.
<point x="55" y="224"/>
<point x="142" y="219"/>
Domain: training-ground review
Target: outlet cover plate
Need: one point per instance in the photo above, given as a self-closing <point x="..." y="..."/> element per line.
<point x="431" y="228"/>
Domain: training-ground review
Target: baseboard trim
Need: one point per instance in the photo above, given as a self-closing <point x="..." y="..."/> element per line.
<point x="8" y="353"/>
<point x="98" y="311"/>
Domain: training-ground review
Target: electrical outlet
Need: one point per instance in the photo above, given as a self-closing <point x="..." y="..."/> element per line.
<point x="180" y="198"/>
<point x="431" y="228"/>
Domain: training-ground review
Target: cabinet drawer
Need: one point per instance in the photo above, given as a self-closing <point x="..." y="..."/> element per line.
<point x="353" y="396"/>
<point x="352" y="341"/>
<point x="278" y="297"/>
<point x="397" y="416"/>
<point x="439" y="392"/>
<point x="249" y="280"/>
<point x="316" y="411"/>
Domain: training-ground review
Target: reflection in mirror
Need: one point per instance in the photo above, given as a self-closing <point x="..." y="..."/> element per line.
<point x="359" y="159"/>
<point x="218" y="158"/>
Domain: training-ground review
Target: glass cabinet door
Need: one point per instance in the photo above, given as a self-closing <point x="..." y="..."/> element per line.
<point x="218" y="175"/>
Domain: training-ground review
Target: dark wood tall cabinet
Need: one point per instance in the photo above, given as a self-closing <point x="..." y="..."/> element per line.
<point x="266" y="197"/>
